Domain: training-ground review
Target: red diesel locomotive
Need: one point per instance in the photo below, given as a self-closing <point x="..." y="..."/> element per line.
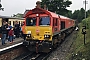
<point x="45" y="30"/>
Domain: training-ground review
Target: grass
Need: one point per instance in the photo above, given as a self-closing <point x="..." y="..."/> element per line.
<point x="78" y="50"/>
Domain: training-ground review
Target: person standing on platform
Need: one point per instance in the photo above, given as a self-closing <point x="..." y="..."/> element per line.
<point x="4" y="32"/>
<point x="11" y="34"/>
<point x="17" y="29"/>
<point x="23" y="31"/>
<point x="9" y="28"/>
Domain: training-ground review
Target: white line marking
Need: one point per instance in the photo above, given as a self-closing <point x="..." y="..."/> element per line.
<point x="10" y="47"/>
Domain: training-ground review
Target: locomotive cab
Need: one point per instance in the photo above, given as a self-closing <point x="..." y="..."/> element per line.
<point x="38" y="28"/>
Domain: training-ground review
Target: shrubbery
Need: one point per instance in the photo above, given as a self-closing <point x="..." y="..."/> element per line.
<point x="86" y="22"/>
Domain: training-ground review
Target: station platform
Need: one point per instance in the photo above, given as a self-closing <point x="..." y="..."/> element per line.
<point x="15" y="41"/>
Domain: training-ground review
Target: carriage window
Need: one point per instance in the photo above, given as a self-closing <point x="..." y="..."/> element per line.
<point x="13" y="23"/>
<point x="9" y="22"/>
<point x="44" y="21"/>
<point x="30" y="21"/>
<point x="19" y="22"/>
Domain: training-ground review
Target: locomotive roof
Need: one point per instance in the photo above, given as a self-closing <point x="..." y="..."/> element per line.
<point x="63" y="17"/>
<point x="27" y="12"/>
<point x="53" y="14"/>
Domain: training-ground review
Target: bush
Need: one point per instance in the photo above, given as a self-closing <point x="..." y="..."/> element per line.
<point x="86" y="22"/>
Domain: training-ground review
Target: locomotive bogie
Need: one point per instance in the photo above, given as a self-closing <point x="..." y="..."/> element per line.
<point x="39" y="46"/>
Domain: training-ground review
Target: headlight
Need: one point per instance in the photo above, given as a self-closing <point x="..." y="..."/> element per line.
<point x="29" y="35"/>
<point x="46" y="36"/>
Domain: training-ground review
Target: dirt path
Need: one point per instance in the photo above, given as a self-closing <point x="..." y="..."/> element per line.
<point x="61" y="52"/>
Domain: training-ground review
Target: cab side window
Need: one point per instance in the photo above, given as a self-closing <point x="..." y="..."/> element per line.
<point x="55" y="22"/>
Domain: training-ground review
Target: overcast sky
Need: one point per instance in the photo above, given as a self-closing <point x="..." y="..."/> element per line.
<point x="19" y="6"/>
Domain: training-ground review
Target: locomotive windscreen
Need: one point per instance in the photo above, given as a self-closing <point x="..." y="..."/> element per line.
<point x="31" y="21"/>
<point x="44" y="21"/>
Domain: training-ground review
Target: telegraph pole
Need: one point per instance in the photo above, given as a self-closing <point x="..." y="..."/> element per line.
<point x="85" y="2"/>
<point x="85" y="18"/>
<point x="85" y="8"/>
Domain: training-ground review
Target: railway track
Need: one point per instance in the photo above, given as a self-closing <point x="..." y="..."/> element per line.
<point x="23" y="56"/>
<point x="33" y="56"/>
<point x="63" y="50"/>
<point x="44" y="56"/>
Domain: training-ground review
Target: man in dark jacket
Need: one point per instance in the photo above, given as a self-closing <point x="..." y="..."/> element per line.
<point x="17" y="29"/>
<point x="7" y="30"/>
<point x="4" y="32"/>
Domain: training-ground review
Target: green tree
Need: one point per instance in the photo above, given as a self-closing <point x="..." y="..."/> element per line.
<point x="58" y="6"/>
<point x="88" y="13"/>
<point x="75" y="14"/>
<point x="79" y="15"/>
<point x="19" y="15"/>
<point x="0" y="5"/>
<point x="69" y="14"/>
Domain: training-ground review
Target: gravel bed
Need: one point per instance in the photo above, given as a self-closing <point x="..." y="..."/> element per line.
<point x="61" y="52"/>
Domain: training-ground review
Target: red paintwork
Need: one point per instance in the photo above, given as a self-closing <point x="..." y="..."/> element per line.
<point x="68" y="21"/>
<point x="53" y="16"/>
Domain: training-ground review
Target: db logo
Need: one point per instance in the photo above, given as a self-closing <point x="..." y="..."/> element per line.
<point x="37" y="31"/>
